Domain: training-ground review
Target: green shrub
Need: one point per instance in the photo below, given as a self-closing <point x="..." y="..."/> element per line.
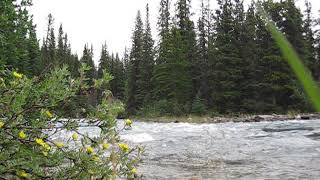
<point x="198" y="107"/>
<point x="28" y="123"/>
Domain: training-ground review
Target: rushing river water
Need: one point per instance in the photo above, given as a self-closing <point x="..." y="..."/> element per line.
<point x="264" y="150"/>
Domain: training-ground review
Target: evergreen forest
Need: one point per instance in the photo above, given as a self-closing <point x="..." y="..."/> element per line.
<point x="224" y="62"/>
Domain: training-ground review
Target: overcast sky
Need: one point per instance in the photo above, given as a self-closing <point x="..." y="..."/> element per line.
<point x="99" y="21"/>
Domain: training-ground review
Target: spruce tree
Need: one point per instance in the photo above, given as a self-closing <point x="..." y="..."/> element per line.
<point x="61" y="51"/>
<point x="118" y="83"/>
<point x="161" y="73"/>
<point x="103" y="67"/>
<point x="244" y="35"/>
<point x="18" y="43"/>
<point x="146" y="64"/>
<point x="51" y="42"/>
<point x="34" y="64"/>
<point x="226" y="72"/>
<point x="126" y="60"/>
<point x="87" y="58"/>
<point x="104" y="62"/>
<point x="249" y="51"/>
<point x="309" y="40"/>
<point x="134" y="99"/>
<point x="48" y="49"/>
<point x="202" y="66"/>
<point x="185" y="29"/>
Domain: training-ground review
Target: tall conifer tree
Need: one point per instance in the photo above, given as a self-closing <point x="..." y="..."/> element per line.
<point x="134" y="98"/>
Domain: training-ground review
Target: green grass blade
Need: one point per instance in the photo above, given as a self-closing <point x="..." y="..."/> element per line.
<point x="303" y="74"/>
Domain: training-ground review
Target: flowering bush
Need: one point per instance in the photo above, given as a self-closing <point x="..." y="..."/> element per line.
<point x="30" y="122"/>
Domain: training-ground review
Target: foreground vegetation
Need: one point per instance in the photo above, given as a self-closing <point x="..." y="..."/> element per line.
<point x="31" y="118"/>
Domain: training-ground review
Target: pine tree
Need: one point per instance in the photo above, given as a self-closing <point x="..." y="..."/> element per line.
<point x="226" y="72"/>
<point x="61" y="51"/>
<point x="277" y="85"/>
<point x="146" y="64"/>
<point x="161" y="73"/>
<point x="18" y="43"/>
<point x="118" y="83"/>
<point x="70" y="59"/>
<point x="185" y="28"/>
<point x="87" y="58"/>
<point x="134" y="99"/>
<point x="244" y="35"/>
<point x="126" y="60"/>
<point x="51" y="42"/>
<point x="309" y="39"/>
<point x="103" y="67"/>
<point x="48" y="49"/>
<point x="203" y="53"/>
<point x="249" y="51"/>
<point x="176" y="57"/>
<point x="104" y="62"/>
<point x="89" y="97"/>
<point x="34" y="64"/>
<point x="317" y="50"/>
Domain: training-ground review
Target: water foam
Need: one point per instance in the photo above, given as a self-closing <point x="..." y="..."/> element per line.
<point x="138" y="138"/>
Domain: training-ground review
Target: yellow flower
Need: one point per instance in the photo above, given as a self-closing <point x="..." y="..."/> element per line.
<point x="45" y="153"/>
<point x="59" y="144"/>
<point x="22" y="174"/>
<point x="17" y="75"/>
<point x="1" y="124"/>
<point x="124" y="147"/>
<point x="22" y="135"/>
<point x="75" y="136"/>
<point x="96" y="158"/>
<point x="128" y="122"/>
<point x="46" y="147"/>
<point x="40" y="141"/>
<point x="133" y="171"/>
<point x="89" y="150"/>
<point x="105" y="146"/>
<point x="49" y="114"/>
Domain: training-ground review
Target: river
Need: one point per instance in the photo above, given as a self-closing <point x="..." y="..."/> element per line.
<point x="263" y="150"/>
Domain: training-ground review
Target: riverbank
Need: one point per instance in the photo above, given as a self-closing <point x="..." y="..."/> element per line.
<point x="224" y="119"/>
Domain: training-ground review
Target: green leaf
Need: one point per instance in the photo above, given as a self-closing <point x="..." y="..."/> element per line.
<point x="302" y="73"/>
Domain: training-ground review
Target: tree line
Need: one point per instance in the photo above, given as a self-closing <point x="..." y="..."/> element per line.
<point x="225" y="62"/>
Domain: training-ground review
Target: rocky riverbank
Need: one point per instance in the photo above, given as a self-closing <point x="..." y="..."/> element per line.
<point x="238" y="119"/>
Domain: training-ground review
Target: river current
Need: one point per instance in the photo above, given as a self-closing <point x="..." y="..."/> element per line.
<point x="263" y="150"/>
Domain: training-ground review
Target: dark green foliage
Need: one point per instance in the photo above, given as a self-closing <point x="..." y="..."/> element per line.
<point x="176" y="60"/>
<point x="19" y="47"/>
<point x="229" y="64"/>
<point x="147" y="63"/>
<point x="87" y="58"/>
<point x="277" y="84"/>
<point x="227" y="71"/>
<point x="118" y="82"/>
<point x="302" y="73"/>
<point x="134" y="98"/>
<point x="198" y="107"/>
<point x="161" y="72"/>
<point x="202" y="64"/>
<point x="140" y="66"/>
<point x="89" y="96"/>
<point x="310" y="41"/>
